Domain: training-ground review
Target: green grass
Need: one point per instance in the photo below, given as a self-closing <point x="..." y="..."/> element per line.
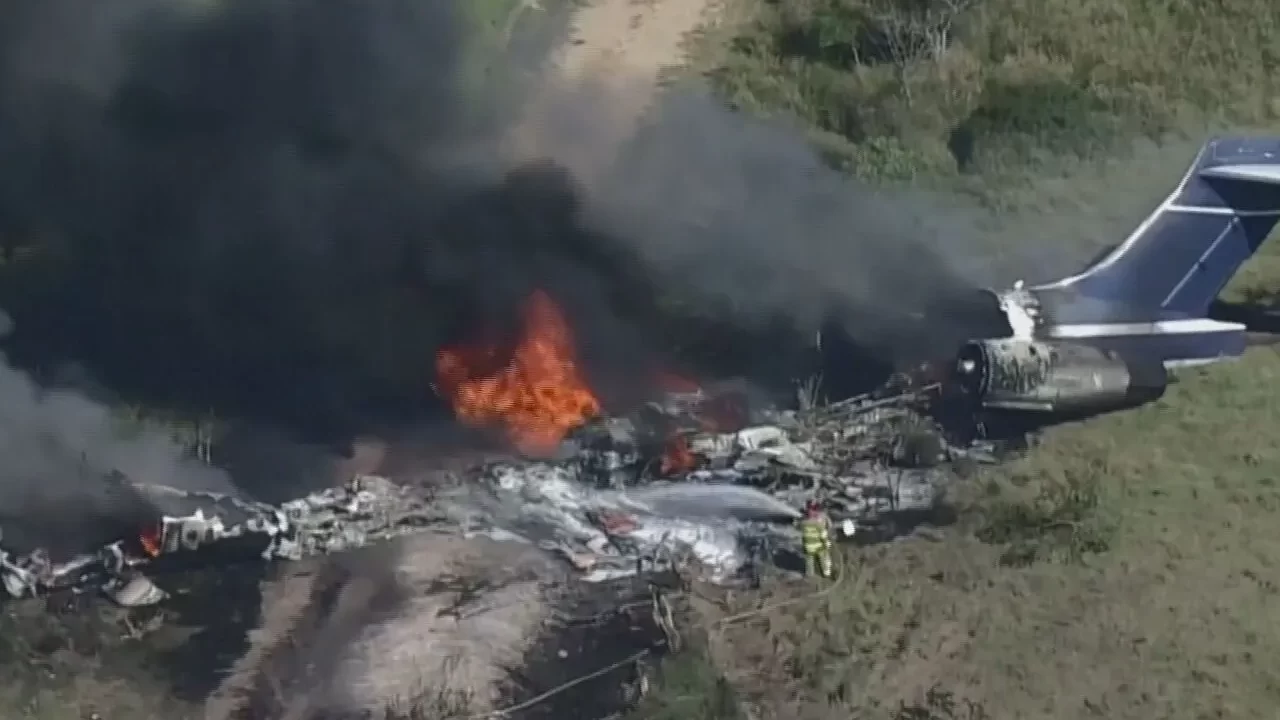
<point x="492" y="21"/>
<point x="1127" y="568"/>
<point x="689" y="687"/>
<point x="486" y="66"/>
<point x="71" y="665"/>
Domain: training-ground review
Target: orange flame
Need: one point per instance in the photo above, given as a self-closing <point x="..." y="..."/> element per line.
<point x="714" y="413"/>
<point x="537" y="397"/>
<point x="150" y="540"/>
<point x="678" y="457"/>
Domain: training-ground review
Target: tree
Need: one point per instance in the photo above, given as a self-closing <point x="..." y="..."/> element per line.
<point x="912" y="31"/>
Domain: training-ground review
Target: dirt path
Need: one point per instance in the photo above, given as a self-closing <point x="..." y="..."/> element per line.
<point x="634" y="36"/>
<point x="598" y="86"/>
<point x="435" y="620"/>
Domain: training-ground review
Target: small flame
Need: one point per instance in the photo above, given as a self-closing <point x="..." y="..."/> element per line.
<point x="150" y="539"/>
<point x="723" y="412"/>
<point x="537" y="397"/>
<point x="678" y="457"/>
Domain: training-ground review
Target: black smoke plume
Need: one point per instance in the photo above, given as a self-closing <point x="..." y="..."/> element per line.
<point x="742" y="214"/>
<point x="283" y="207"/>
<point x="261" y="201"/>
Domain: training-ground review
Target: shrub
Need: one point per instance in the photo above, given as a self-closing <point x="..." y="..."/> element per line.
<point x="1002" y="84"/>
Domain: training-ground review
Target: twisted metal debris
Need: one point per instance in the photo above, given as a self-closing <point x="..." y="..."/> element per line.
<point x="605" y="505"/>
<point x="369" y="509"/>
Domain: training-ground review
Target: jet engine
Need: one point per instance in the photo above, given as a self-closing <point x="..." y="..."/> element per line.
<point x="1035" y="376"/>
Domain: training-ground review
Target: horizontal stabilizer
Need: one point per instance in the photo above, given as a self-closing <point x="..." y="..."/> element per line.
<point x="1267" y="174"/>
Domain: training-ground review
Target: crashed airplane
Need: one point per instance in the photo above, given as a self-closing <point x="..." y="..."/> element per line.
<point x="1105" y="338"/>
<point x="707" y="480"/>
<point x="622" y="496"/>
<point x="700" y="478"/>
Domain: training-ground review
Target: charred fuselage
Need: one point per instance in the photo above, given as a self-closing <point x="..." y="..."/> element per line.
<point x="1055" y="380"/>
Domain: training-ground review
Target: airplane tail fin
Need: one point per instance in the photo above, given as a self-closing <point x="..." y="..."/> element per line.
<point x="1176" y="262"/>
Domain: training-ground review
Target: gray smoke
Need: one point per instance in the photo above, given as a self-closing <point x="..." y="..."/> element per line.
<point x="741" y="216"/>
<point x="211" y="184"/>
<point x="1061" y="220"/>
<point x="59" y="447"/>
<point x="741" y="213"/>
<point x="56" y="441"/>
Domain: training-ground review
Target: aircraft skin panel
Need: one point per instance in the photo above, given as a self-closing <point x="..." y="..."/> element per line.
<point x="1242" y="188"/>
<point x="1176" y="349"/>
<point x="1155" y="269"/>
<point x="1268" y="174"/>
<point x="1203" y="279"/>
<point x="1190" y="326"/>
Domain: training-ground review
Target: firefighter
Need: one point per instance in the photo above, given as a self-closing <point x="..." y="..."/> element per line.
<point x="815" y="533"/>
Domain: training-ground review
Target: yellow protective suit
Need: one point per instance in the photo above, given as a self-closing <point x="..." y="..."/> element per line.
<point x="815" y="535"/>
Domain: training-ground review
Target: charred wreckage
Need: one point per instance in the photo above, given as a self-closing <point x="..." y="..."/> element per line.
<point x="621" y="497"/>
<point x="701" y="479"/>
<point x="1106" y="337"/>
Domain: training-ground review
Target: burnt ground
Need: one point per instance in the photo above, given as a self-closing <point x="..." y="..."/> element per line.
<point x="600" y="628"/>
<point x="70" y="656"/>
<point x="215" y="651"/>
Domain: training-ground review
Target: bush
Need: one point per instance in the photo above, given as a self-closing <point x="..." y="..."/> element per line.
<point x="1000" y="83"/>
<point x="1063" y="523"/>
<point x="688" y="687"/>
<point x="1018" y="121"/>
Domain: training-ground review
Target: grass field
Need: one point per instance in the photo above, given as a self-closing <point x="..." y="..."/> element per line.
<point x="1128" y="567"/>
<point x="1135" y="576"/>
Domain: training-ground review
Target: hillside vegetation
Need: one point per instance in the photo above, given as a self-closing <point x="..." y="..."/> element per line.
<point x="907" y="88"/>
<point x="1128" y="566"/>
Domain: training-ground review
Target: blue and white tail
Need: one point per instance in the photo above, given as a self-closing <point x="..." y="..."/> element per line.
<point x="1176" y="262"/>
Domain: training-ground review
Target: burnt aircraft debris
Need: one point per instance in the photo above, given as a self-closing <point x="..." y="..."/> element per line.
<point x="1055" y="377"/>
<point x="1105" y="338"/>
<point x="677" y="483"/>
